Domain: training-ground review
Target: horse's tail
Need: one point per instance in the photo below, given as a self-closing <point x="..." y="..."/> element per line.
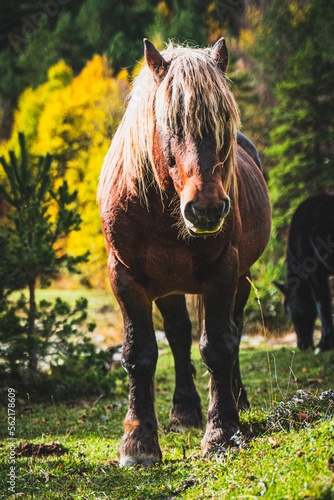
<point x="200" y="314"/>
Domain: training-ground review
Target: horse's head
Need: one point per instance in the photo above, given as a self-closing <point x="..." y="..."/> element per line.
<point x="194" y="135"/>
<point x="299" y="305"/>
<point x="195" y="170"/>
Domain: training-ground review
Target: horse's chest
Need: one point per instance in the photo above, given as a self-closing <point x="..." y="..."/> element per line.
<point x="170" y="260"/>
<point x="150" y="247"/>
<point x="167" y="266"/>
<point x="173" y="269"/>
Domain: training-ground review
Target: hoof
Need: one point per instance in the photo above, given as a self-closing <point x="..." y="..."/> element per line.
<point x="324" y="346"/>
<point x="143" y="460"/>
<point x="305" y="347"/>
<point x="140" y="444"/>
<point x="181" y="417"/>
<point x="217" y="440"/>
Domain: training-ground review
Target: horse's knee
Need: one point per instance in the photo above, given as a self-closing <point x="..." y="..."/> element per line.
<point x="221" y="353"/>
<point x="139" y="360"/>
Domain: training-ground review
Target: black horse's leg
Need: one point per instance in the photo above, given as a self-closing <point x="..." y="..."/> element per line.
<point x="139" y="357"/>
<point x="186" y="410"/>
<point x="219" y="350"/>
<point x="320" y="287"/>
<point x="241" y="298"/>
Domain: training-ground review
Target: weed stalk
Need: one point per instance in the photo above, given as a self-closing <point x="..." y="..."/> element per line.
<point x="264" y="335"/>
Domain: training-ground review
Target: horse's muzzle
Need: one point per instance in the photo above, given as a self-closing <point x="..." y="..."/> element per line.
<point x="205" y="220"/>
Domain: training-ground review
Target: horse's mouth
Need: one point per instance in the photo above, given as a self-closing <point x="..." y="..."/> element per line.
<point x="198" y="232"/>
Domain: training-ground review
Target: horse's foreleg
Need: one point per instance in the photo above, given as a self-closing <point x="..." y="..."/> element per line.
<point x="219" y="350"/>
<point x="241" y="298"/>
<point x="186" y="409"/>
<point x="322" y="294"/>
<point x="139" y="357"/>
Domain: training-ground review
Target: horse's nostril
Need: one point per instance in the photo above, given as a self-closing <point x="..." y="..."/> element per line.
<point x="224" y="207"/>
<point x="190" y="212"/>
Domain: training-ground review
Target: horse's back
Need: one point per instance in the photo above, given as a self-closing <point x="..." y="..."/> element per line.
<point x="312" y="230"/>
<point x="255" y="211"/>
<point x="249" y="147"/>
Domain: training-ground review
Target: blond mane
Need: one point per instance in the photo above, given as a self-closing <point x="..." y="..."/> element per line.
<point x="193" y="100"/>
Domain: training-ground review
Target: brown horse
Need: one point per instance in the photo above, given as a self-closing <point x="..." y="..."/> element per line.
<point x="184" y="210"/>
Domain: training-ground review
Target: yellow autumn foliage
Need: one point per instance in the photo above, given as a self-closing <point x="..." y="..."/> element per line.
<point x="298" y="10"/>
<point x="74" y="118"/>
<point x="247" y="39"/>
<point x="31" y="106"/>
<point x="163" y="9"/>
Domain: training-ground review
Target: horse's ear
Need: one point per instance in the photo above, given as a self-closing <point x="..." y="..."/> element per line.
<point x="155" y="61"/>
<point x="220" y="54"/>
<point x="282" y="287"/>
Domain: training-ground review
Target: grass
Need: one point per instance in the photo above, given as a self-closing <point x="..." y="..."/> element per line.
<point x="297" y="464"/>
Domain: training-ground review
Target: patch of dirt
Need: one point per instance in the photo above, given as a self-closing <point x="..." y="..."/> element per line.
<point x="248" y="342"/>
<point x="289" y="340"/>
<point x="26" y="449"/>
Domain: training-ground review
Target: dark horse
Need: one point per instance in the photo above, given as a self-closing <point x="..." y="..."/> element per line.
<point x="184" y="210"/>
<point x="310" y="262"/>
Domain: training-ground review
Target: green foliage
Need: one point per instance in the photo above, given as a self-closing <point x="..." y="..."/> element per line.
<point x="293" y="49"/>
<point x="68" y="363"/>
<point x="116" y="28"/>
<point x="35" y="36"/>
<point x="244" y="86"/>
<point x="10" y="85"/>
<point x="57" y="335"/>
<point x="77" y="133"/>
<point x="46" y="47"/>
<point x="266" y="300"/>
<point x="275" y="38"/>
<point x="40" y="215"/>
<point x="301" y="151"/>
<point x="180" y="20"/>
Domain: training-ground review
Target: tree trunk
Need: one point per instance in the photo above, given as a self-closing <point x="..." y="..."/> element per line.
<point x="32" y="363"/>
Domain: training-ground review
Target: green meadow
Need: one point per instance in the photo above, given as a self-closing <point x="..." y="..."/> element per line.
<point x="281" y="454"/>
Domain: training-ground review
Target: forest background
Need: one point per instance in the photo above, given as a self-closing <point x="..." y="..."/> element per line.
<point x="66" y="67"/>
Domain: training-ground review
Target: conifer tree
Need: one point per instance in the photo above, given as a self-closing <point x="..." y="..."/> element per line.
<point x="302" y="151"/>
<point x="39" y="216"/>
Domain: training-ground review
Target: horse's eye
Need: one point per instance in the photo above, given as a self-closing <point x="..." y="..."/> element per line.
<point x="171" y="162"/>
